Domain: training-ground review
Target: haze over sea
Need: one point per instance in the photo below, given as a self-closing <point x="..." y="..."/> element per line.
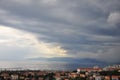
<point x="40" y="65"/>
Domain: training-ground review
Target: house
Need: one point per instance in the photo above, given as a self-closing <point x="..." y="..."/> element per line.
<point x="82" y="75"/>
<point x="99" y="78"/>
<point x="115" y="77"/>
<point x="112" y="77"/>
<point x="40" y="78"/>
<point x="66" y="79"/>
<point x="58" y="78"/>
<point x="73" y="75"/>
<point x="14" y="77"/>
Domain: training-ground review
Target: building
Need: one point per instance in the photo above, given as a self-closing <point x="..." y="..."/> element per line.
<point x="115" y="77"/>
<point x="14" y="77"/>
<point x="88" y="70"/>
<point x="112" y="77"/>
<point x="73" y="75"/>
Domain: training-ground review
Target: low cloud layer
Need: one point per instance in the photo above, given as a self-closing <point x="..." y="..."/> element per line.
<point x="79" y="28"/>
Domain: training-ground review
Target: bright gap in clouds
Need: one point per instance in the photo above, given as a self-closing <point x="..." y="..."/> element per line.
<point x="16" y="44"/>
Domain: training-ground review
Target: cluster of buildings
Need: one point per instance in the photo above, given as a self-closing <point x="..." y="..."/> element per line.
<point x="95" y="73"/>
<point x="111" y="68"/>
<point x="26" y="75"/>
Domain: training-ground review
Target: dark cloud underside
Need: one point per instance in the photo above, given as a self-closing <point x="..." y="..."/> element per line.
<point x="82" y="27"/>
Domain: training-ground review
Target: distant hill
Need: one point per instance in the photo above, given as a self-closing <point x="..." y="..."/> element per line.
<point x="70" y="60"/>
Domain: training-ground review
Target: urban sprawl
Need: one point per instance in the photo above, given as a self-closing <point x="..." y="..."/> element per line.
<point x="94" y="73"/>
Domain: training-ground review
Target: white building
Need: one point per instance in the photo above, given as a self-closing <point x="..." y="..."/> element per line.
<point x="14" y="77"/>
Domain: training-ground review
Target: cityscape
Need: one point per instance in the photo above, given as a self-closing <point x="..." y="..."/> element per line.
<point x="93" y="73"/>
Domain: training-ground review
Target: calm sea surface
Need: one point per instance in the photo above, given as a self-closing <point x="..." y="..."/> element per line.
<point x="37" y="65"/>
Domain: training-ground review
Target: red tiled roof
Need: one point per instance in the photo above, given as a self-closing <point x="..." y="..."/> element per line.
<point x="86" y="69"/>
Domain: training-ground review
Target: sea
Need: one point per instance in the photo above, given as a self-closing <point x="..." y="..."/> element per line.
<point x="42" y="65"/>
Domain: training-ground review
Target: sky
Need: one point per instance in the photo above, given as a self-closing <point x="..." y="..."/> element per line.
<point x="77" y="29"/>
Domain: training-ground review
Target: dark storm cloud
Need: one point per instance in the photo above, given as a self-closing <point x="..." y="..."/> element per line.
<point x="80" y="26"/>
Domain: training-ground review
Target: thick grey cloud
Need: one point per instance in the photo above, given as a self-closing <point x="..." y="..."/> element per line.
<point x="114" y="18"/>
<point x="82" y="27"/>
